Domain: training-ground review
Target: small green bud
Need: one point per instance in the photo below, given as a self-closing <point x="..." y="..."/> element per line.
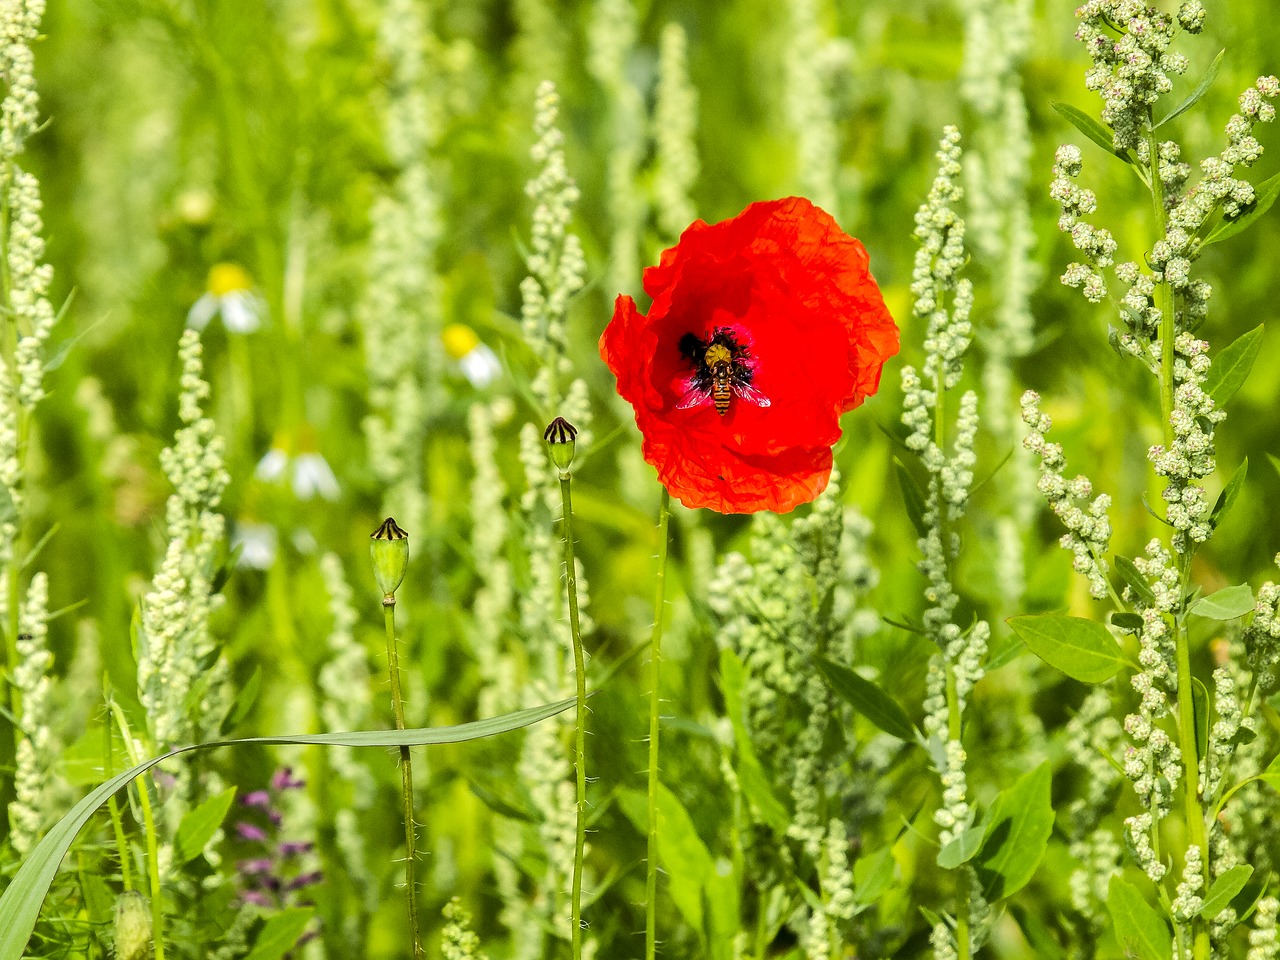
<point x="133" y="927"/>
<point x="560" y="435"/>
<point x="390" y="552"/>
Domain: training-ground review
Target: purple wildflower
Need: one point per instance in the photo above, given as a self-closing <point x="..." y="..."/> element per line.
<point x="250" y="831"/>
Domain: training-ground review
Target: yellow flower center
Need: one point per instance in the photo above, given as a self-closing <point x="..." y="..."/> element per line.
<point x="459" y="340"/>
<point x="227" y="278"/>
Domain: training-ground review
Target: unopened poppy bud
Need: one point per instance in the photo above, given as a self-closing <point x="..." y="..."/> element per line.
<point x="390" y="552"/>
<point x="560" y="436"/>
<point x="133" y="927"/>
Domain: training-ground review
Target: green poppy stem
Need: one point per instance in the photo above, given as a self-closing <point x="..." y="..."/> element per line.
<point x="406" y="776"/>
<point x="655" y="654"/>
<point x="580" y="719"/>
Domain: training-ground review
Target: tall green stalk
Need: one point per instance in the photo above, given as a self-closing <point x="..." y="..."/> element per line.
<point x="1196" y="833"/>
<point x="406" y="777"/>
<point x="153" y="841"/>
<point x="560" y="436"/>
<point x="655" y="655"/>
<point x="580" y="718"/>
<point x="389" y="550"/>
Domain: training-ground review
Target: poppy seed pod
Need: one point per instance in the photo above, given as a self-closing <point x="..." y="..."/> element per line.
<point x="561" y="436"/>
<point x="390" y="552"/>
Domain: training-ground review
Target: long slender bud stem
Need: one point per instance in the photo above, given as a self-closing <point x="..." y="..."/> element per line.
<point x="580" y="722"/>
<point x="406" y="776"/>
<point x="153" y="842"/>
<point x="655" y="655"/>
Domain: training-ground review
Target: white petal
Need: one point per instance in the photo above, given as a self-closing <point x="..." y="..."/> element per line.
<point x="240" y="311"/>
<point x="312" y="475"/>
<point x="202" y="311"/>
<point x="481" y="366"/>
<point x="272" y="466"/>
<point x="258" y="545"/>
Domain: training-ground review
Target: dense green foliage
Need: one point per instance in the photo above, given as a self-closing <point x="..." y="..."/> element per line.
<point x="358" y="167"/>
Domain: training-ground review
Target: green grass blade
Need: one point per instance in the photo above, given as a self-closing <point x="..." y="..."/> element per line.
<point x="20" y="905"/>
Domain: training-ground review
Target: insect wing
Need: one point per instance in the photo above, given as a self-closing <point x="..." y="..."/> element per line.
<point x="694" y="395"/>
<point x="748" y="393"/>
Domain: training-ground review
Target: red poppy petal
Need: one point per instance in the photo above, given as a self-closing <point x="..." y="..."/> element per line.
<point x="792" y="296"/>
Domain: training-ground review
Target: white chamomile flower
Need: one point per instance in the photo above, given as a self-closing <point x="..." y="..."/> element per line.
<point x="476" y="360"/>
<point x="257" y="545"/>
<point x="301" y="466"/>
<point x="230" y="294"/>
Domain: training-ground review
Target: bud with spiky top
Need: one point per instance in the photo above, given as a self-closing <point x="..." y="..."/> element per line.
<point x="561" y="436"/>
<point x="390" y="551"/>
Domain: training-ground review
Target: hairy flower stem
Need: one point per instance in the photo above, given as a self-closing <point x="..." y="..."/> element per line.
<point x="580" y="720"/>
<point x="117" y="824"/>
<point x="153" y="842"/>
<point x="406" y="776"/>
<point x="655" y="654"/>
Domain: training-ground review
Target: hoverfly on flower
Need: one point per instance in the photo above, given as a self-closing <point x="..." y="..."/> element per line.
<point x="722" y="368"/>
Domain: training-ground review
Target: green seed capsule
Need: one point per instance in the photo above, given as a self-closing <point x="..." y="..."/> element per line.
<point x="560" y="436"/>
<point x="390" y="551"/>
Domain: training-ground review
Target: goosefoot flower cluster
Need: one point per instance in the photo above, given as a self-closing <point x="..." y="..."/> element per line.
<point x="764" y="329"/>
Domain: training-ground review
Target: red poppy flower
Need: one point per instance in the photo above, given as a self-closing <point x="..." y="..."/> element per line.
<point x="763" y="330"/>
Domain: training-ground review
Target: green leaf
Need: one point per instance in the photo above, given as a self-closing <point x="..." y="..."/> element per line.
<point x="912" y="498"/>
<point x="200" y="824"/>
<point x="962" y="848"/>
<point x="20" y="904"/>
<point x="1200" y="716"/>
<point x="868" y="699"/>
<point x="1227" y="498"/>
<point x="751" y="775"/>
<point x="1224" y="890"/>
<point x="1264" y="196"/>
<point x="1201" y="89"/>
<point x="1129" y="622"/>
<point x="1136" y="581"/>
<point x="1040" y="938"/>
<point x="1082" y="649"/>
<point x="872" y="875"/>
<point x="245" y="699"/>
<point x="1226" y="604"/>
<point x="1017" y="833"/>
<point x="1005" y="649"/>
<point x="280" y="934"/>
<point x="1230" y="368"/>
<point x="685" y="859"/>
<point x="1091" y="128"/>
<point x="1139" y="927"/>
<point x="40" y="545"/>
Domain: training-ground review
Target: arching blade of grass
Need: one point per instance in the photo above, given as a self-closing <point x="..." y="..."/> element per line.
<point x="20" y="905"/>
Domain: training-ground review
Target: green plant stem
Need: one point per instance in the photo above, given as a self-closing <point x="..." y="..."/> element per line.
<point x="1196" y="832"/>
<point x="117" y="824"/>
<point x="406" y="776"/>
<point x="954" y="730"/>
<point x="1191" y="776"/>
<point x="1164" y="292"/>
<point x="655" y="641"/>
<point x="580" y="718"/>
<point x="153" y="844"/>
